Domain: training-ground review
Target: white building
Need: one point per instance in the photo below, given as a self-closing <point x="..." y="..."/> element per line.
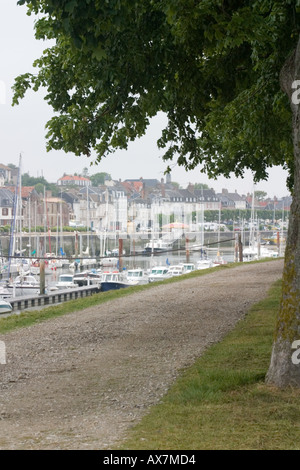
<point x="68" y="180"/>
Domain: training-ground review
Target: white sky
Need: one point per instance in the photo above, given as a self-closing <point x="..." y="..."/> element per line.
<point x="22" y="128"/>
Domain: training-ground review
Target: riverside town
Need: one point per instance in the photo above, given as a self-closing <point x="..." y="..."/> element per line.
<point x="95" y="233"/>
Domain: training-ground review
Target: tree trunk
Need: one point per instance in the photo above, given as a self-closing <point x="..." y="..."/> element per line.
<point x="284" y="368"/>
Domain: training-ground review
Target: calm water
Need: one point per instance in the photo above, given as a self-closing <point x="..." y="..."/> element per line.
<point x="147" y="262"/>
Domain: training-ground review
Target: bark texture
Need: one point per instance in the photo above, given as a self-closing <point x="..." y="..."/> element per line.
<point x="282" y="371"/>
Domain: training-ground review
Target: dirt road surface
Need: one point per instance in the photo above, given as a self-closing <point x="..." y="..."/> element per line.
<point x="82" y="380"/>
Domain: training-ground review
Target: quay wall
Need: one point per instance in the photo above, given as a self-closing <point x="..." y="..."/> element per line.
<point x="52" y="298"/>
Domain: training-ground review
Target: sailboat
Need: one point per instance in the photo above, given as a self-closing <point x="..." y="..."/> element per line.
<point x="24" y="285"/>
<point x="204" y="261"/>
<point x="255" y="251"/>
<point x="219" y="259"/>
<point x="13" y="266"/>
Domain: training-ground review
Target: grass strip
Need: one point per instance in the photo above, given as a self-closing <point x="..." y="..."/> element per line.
<point x="222" y="401"/>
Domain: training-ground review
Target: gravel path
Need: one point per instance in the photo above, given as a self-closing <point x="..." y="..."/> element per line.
<point x="80" y="381"/>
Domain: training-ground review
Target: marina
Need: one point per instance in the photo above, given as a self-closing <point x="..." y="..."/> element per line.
<point x="119" y="248"/>
<point x="132" y="260"/>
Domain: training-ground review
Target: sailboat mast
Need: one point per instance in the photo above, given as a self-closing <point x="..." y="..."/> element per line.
<point x="87" y="219"/>
<point x="29" y="225"/>
<point x="11" y="250"/>
<point x="251" y="235"/>
<point x="61" y="227"/>
<point x="20" y="205"/>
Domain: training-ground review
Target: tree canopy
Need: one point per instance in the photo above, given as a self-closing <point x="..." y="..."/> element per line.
<point x="40" y="183"/>
<point x="211" y="66"/>
<point x="99" y="178"/>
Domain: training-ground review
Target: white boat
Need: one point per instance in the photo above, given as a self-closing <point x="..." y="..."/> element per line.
<point x="159" y="273"/>
<point x="24" y="285"/>
<point x="219" y="260"/>
<point x="26" y="280"/>
<point x="65" y="281"/>
<point x="158" y="245"/>
<point x="204" y="263"/>
<point x="137" y="276"/>
<point x="86" y="278"/>
<point x="5" y="306"/>
<point x="250" y="253"/>
<point x="113" y="281"/>
<point x="89" y="262"/>
<point x="266" y="253"/>
<point x="188" y="267"/>
<point x="255" y="252"/>
<point x="176" y="270"/>
<point x="5" y="293"/>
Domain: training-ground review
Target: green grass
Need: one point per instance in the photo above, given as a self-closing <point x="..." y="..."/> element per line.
<point x="222" y="401"/>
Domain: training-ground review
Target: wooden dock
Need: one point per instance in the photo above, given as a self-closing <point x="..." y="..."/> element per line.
<point x="52" y="298"/>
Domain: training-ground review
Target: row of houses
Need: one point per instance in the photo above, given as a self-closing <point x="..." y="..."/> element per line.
<point x="129" y="205"/>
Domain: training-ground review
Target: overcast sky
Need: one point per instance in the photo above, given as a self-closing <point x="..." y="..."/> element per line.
<point x="22" y="128"/>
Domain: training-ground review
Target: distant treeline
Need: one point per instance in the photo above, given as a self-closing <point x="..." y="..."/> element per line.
<point x="237" y="215"/>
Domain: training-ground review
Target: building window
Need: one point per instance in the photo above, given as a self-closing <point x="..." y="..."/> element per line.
<point x="5" y="211"/>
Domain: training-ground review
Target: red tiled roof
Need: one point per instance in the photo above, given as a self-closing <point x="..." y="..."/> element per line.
<point x="25" y="190"/>
<point x="73" y="178"/>
<point x="133" y="185"/>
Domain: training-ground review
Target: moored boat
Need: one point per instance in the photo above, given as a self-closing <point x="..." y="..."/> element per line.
<point x="26" y="280"/>
<point x="5" y="306"/>
<point x="86" y="278"/>
<point x="5" y="293"/>
<point x="24" y="285"/>
<point x="159" y="273"/>
<point x="219" y="260"/>
<point x="188" y="267"/>
<point x="65" y="281"/>
<point x="204" y="263"/>
<point x="256" y="251"/>
<point x="176" y="270"/>
<point x="158" y="246"/>
<point x="113" y="281"/>
<point x="137" y="276"/>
